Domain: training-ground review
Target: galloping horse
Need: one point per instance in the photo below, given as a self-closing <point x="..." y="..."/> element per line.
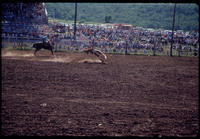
<point x="97" y="53"/>
<point x="44" y="45"/>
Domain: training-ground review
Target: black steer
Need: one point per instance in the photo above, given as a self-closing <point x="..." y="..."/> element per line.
<point x="44" y="45"/>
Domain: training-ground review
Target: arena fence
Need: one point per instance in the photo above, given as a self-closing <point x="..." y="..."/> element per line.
<point x="71" y="45"/>
<point x="24" y="39"/>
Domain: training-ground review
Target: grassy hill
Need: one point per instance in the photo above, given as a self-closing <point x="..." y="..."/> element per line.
<point x="153" y="15"/>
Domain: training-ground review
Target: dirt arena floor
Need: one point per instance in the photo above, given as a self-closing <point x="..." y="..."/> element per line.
<point x="73" y="94"/>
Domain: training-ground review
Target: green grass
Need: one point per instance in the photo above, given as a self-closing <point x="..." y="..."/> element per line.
<point x="52" y="20"/>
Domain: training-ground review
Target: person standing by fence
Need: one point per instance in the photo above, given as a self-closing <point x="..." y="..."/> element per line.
<point x="154" y="47"/>
<point x="179" y="49"/>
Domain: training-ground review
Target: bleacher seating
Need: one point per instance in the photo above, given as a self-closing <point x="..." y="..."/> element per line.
<point x="22" y="19"/>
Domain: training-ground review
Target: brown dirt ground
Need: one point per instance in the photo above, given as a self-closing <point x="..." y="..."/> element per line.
<point x="73" y="94"/>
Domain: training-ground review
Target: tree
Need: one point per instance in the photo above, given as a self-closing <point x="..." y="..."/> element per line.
<point x="108" y="19"/>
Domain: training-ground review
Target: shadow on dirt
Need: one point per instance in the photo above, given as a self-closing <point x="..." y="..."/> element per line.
<point x="87" y="62"/>
<point x="42" y="56"/>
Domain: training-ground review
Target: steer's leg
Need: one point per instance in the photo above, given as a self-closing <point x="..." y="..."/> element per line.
<point x="102" y="58"/>
<point x="102" y="61"/>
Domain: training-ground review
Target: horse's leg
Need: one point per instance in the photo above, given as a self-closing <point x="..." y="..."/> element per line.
<point x="35" y="52"/>
<point x="52" y="51"/>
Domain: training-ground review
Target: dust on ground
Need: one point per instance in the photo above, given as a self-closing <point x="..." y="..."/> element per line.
<point x="45" y="55"/>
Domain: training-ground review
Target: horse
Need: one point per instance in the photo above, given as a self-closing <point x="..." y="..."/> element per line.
<point x="97" y="53"/>
<point x="44" y="45"/>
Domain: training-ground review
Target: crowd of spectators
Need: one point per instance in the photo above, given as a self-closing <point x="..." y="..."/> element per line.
<point x="23" y="21"/>
<point x="108" y="39"/>
<point x="118" y="40"/>
<point x="26" y="21"/>
<point x="22" y="31"/>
